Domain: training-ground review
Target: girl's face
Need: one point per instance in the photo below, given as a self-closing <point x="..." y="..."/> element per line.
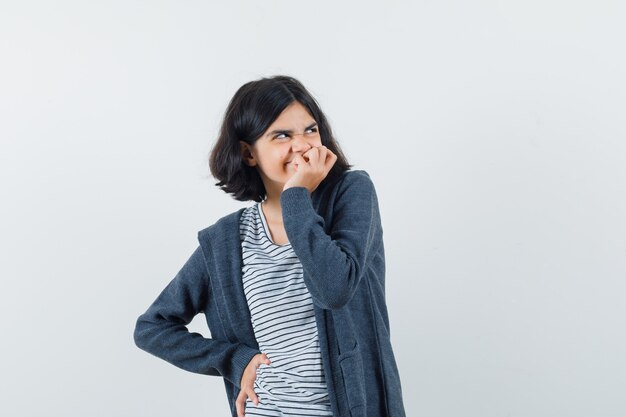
<point x="293" y="133"/>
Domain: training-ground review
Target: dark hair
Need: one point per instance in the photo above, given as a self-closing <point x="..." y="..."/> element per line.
<point x="251" y="111"/>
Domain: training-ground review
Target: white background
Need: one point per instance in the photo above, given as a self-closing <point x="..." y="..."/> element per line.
<point x="494" y="132"/>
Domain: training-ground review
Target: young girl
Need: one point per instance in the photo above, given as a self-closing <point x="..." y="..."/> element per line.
<point x="293" y="286"/>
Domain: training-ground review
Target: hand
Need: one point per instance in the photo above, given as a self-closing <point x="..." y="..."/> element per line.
<point x="247" y="383"/>
<point x="311" y="168"/>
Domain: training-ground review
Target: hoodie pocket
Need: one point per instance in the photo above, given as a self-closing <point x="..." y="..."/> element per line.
<point x="352" y="371"/>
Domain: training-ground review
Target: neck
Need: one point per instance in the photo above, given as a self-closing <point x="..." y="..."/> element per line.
<point x="272" y="209"/>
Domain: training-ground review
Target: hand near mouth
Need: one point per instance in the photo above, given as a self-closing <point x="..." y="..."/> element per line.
<point x="311" y="168"/>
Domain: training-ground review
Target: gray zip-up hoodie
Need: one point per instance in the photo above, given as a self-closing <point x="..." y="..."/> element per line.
<point x="336" y="233"/>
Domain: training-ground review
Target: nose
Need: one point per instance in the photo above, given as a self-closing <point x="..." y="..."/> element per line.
<point x="300" y="144"/>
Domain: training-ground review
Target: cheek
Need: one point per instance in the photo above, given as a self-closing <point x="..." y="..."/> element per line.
<point x="316" y="143"/>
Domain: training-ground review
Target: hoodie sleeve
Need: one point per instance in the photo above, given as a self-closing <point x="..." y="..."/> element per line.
<point x="334" y="264"/>
<point x="162" y="329"/>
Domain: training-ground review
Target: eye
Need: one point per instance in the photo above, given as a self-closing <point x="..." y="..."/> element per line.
<point x="311" y="131"/>
<point x="281" y="136"/>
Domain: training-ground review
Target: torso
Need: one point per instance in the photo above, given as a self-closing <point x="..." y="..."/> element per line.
<point x="284" y="323"/>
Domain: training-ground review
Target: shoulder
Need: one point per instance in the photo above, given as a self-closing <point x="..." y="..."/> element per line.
<point x="353" y="191"/>
<point x="223" y="224"/>
<point x="358" y="181"/>
<point x="357" y="175"/>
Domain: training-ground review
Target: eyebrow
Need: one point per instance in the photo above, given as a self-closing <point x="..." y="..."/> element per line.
<point x="288" y="132"/>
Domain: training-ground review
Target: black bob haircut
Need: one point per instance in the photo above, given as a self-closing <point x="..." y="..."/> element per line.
<point x="251" y="111"/>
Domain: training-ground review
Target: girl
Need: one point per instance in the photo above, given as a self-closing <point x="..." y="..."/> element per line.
<point x="293" y="286"/>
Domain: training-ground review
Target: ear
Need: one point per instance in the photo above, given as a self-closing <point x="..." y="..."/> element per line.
<point x="246" y="154"/>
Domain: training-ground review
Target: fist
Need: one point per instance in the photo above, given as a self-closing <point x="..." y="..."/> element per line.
<point x="311" y="168"/>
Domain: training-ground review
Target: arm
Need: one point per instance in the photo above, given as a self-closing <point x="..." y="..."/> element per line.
<point x="335" y="264"/>
<point x="162" y="330"/>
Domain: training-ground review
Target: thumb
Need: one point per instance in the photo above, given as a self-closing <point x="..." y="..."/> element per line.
<point x="263" y="359"/>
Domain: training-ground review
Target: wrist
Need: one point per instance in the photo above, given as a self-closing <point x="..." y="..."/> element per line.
<point x="296" y="186"/>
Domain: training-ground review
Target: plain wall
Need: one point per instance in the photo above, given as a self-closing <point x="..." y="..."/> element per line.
<point x="494" y="132"/>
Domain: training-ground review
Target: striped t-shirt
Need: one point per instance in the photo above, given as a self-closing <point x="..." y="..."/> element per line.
<point x="284" y="325"/>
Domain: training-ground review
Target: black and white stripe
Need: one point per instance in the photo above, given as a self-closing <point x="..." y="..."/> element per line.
<point x="284" y="325"/>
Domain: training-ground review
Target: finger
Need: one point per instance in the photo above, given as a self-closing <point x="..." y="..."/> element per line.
<point x="306" y="156"/>
<point x="314" y="156"/>
<point x="303" y="162"/>
<point x="331" y="157"/>
<point x="241" y="404"/>
<point x="254" y="397"/>
<point x="315" y="150"/>
<point x="327" y="152"/>
<point x="265" y="359"/>
<point x="324" y="152"/>
<point x="330" y="161"/>
<point x="298" y="160"/>
<point x="322" y="158"/>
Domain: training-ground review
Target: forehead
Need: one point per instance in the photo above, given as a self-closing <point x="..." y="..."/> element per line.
<point x="294" y="115"/>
